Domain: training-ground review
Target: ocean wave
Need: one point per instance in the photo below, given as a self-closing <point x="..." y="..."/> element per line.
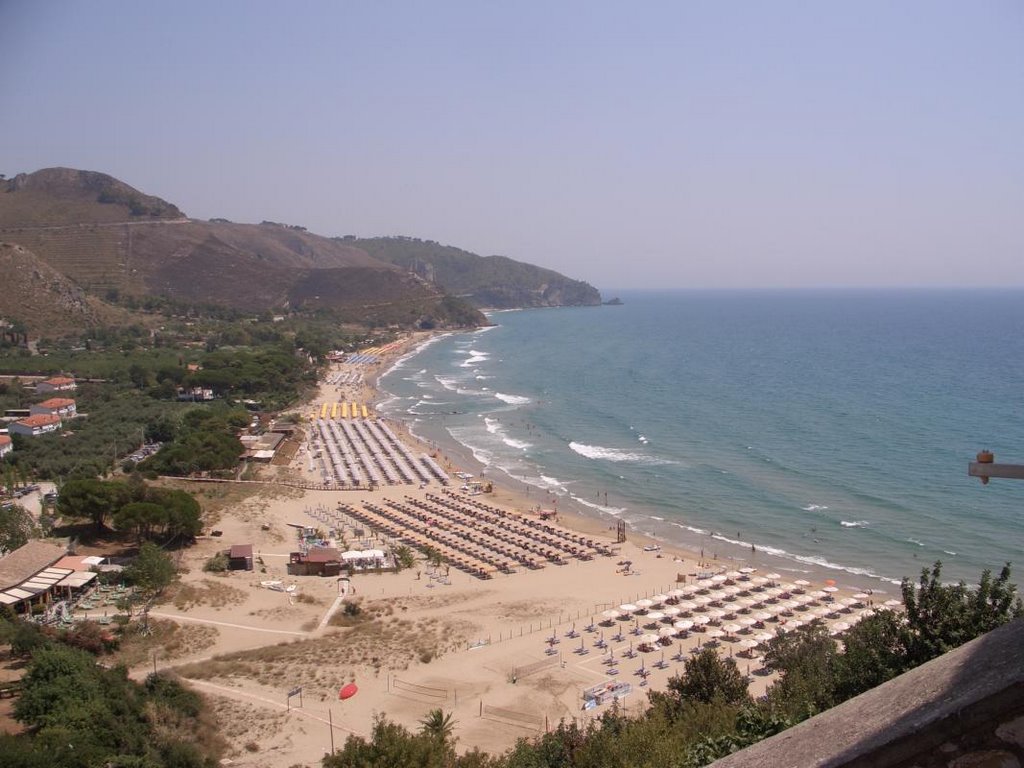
<point x="814" y="508"/>
<point x="854" y="524"/>
<point x="452" y="385"/>
<point x="520" y="445"/>
<point x="613" y="511"/>
<point x="475" y="357"/>
<point x="615" y="454"/>
<point x="915" y="541"/>
<point x="401" y="361"/>
<point x="512" y="399"/>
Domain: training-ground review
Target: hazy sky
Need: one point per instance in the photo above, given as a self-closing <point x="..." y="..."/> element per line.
<point x="652" y="144"/>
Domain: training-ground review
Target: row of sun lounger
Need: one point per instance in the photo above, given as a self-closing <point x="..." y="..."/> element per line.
<point x="463" y="555"/>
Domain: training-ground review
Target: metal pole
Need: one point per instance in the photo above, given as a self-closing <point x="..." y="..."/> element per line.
<point x="330" y="720"/>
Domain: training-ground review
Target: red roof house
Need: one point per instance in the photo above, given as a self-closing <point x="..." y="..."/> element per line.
<point x="35" y="425"/>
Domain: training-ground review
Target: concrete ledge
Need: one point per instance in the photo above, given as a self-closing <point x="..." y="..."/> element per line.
<point x="963" y="709"/>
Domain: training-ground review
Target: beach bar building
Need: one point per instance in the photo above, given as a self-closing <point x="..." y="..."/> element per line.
<point x="318" y="561"/>
<point x="27" y="575"/>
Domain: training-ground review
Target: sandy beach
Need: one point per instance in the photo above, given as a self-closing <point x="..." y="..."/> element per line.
<point x="507" y="655"/>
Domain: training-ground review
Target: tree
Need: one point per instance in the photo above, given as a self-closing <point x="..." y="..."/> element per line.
<point x="438" y="724"/>
<point x="91" y="499"/>
<point x="707" y="677"/>
<point x="941" y="617"/>
<point x="806" y="660"/>
<point x="404" y="557"/>
<point x="874" y="651"/>
<point x="16" y="527"/>
<point x="153" y="571"/>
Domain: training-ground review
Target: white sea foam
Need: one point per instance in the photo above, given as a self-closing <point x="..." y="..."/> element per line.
<point x="474" y="358"/>
<point x="615" y="454"/>
<point x="520" y="445"/>
<point x="854" y="524"/>
<point x="450" y="384"/>
<point x="492" y="425"/>
<point x="512" y="399"/>
<point x="915" y="541"/>
<point x="613" y="511"/>
<point x="400" y="362"/>
<point x="814" y="508"/>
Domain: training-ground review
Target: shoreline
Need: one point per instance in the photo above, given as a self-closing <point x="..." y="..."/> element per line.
<point x="724" y="553"/>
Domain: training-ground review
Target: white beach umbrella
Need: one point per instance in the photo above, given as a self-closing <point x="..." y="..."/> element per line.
<point x="796" y="624"/>
<point x="763" y="637"/>
<point x="849" y="602"/>
<point x="774" y="591"/>
<point x="749" y="645"/>
<point x="763" y="616"/>
<point x="644" y="603"/>
<point x="830" y="589"/>
<point x="666" y="632"/>
<point x="672" y="611"/>
<point x="760" y="581"/>
<point x="714" y="634"/>
<point x="719" y="578"/>
<point x="659" y="599"/>
<point x="683" y="625"/>
<point x="731" y="607"/>
<point x="746" y="570"/>
<point x="716" y="614"/>
<point x="748" y="601"/>
<point x="702" y="600"/>
<point x="628" y="608"/>
<point x="687" y="605"/>
<point x="649" y="638"/>
<point x="839" y="626"/>
<point x="747" y="621"/>
<point x="861" y="596"/>
<point x="819" y="594"/>
<point x="654" y="616"/>
<point x="732" y="590"/>
<point x="731" y="629"/>
<point x="804" y="599"/>
<point x="822" y="611"/>
<point x="732" y="575"/>
<point x="701" y="620"/>
<point x="611" y="614"/>
<point x="678" y="593"/>
<point x="802" y="583"/>
<point x="790" y="605"/>
<point x="705" y="583"/>
<point x="773" y="576"/>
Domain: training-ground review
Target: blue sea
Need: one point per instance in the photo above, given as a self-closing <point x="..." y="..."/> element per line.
<point x="829" y="430"/>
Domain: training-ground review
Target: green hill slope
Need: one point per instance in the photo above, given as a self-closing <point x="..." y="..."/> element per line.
<point x="486" y="281"/>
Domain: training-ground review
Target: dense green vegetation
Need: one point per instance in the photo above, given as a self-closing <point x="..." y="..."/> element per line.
<point x="144" y="511"/>
<point x="80" y="715"/>
<point x="706" y="712"/>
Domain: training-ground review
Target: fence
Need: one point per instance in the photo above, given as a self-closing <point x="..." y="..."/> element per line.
<point x="429" y="692"/>
<point x="537" y="666"/>
<point x="522" y="719"/>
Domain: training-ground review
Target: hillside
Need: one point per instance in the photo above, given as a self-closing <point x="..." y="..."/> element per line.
<point x="44" y="302"/>
<point x="487" y="281"/>
<point x="113" y="242"/>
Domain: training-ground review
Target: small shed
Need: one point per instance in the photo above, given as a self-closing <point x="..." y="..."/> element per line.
<point x="240" y="557"/>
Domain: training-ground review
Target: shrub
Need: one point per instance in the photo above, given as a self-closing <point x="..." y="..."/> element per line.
<point x="217" y="564"/>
